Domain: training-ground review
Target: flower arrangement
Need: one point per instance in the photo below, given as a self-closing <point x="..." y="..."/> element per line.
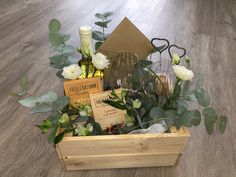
<point x="142" y="101"/>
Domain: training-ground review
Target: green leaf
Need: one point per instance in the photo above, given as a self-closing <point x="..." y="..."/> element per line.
<point x="54" y="25"/>
<point x="100" y="16"/>
<point x="45" y="126"/>
<point x="103" y="24"/>
<point x="107" y="14"/>
<point x="24" y="83"/>
<point x="48" y="97"/>
<point x="56" y="39"/>
<point x="177" y="91"/>
<point x="182" y="103"/>
<point x="59" y="74"/>
<point x="185" y="88"/>
<point x="196" y="117"/>
<point x="202" y="97"/>
<point x="180" y="110"/>
<point x="157" y="113"/>
<point x="60" y="103"/>
<point x="200" y="81"/>
<point x="222" y="123"/>
<point x="40" y="108"/>
<point x="59" y="61"/>
<point x="59" y="137"/>
<point x="170" y="113"/>
<point x="68" y="50"/>
<point x="178" y="124"/>
<point x="54" y="117"/>
<point x="97" y="35"/>
<point x="189" y="118"/>
<point x="52" y="135"/>
<point x="189" y="95"/>
<point x="66" y="37"/>
<point x="115" y="104"/>
<point x="210" y="119"/>
<point x="28" y="102"/>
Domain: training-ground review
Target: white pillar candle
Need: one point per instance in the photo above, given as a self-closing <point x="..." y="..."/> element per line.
<point x="86" y="37"/>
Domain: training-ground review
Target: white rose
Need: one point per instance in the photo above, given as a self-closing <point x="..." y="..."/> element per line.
<point x="100" y="61"/>
<point x="183" y="73"/>
<point x="71" y="72"/>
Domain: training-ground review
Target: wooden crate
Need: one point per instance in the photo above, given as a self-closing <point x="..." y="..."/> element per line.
<point x="122" y="151"/>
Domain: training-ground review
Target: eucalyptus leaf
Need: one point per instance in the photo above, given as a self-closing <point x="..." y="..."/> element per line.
<point x="189" y="118"/>
<point x="41" y="108"/>
<point x="200" y="81"/>
<point x="98" y="44"/>
<point x="68" y="50"/>
<point x="210" y="119"/>
<point x="54" y="25"/>
<point x="97" y="35"/>
<point x="103" y="24"/>
<point x="186" y="88"/>
<point x="54" y="117"/>
<point x="189" y="95"/>
<point x="48" y="97"/>
<point x="222" y="123"/>
<point x="100" y="16"/>
<point x="202" y="97"/>
<point x="171" y="113"/>
<point x="182" y="103"/>
<point x="56" y="39"/>
<point x="28" y="102"/>
<point x="59" y="74"/>
<point x="180" y="110"/>
<point x="157" y="113"/>
<point x="60" y="61"/>
<point x="60" y="103"/>
<point x="107" y="14"/>
<point x="24" y="83"/>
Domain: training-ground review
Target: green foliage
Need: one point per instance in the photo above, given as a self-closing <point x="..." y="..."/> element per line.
<point x="157" y="113"/>
<point x="54" y="25"/>
<point x="63" y="53"/>
<point x="103" y="22"/>
<point x="210" y="119"/>
<point x="60" y="103"/>
<point x="222" y="122"/>
<point x="202" y="97"/>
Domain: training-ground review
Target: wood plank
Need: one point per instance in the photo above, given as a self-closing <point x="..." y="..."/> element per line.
<point x="124" y="144"/>
<point x="120" y="161"/>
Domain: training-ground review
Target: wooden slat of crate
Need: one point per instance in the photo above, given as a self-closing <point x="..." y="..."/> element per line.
<point x="120" y="161"/>
<point x="163" y="143"/>
<point x="122" y="151"/>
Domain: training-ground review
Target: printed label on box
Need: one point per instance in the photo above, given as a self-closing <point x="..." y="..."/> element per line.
<point x="79" y="90"/>
<point x="104" y="114"/>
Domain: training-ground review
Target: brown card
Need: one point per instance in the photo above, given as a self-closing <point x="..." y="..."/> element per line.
<point x="104" y="114"/>
<point x="79" y="90"/>
<point x="127" y="38"/>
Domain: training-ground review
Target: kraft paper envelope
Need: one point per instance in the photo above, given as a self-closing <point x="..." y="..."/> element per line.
<point x="127" y="38"/>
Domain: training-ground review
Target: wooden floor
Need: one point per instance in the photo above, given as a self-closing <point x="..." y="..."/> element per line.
<point x="206" y="28"/>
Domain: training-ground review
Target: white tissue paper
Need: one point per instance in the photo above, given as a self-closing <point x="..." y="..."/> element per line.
<point x="160" y="127"/>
